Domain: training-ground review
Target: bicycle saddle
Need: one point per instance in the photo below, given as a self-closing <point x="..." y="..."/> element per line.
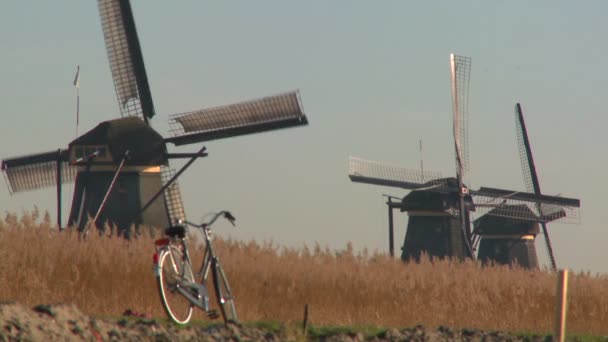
<point x="179" y="231"/>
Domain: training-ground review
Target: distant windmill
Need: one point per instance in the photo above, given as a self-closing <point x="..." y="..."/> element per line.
<point x="121" y="167"/>
<point x="439" y="208"/>
<point x="508" y="240"/>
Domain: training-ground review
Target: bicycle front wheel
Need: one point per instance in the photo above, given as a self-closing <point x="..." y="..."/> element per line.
<point x="223" y="294"/>
<point x="172" y="273"/>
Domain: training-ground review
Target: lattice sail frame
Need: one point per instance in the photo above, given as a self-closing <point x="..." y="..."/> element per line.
<point x="37" y="176"/>
<point x="461" y="71"/>
<point x="173" y="197"/>
<point x="121" y="58"/>
<point x="37" y="171"/>
<point x="378" y="173"/>
<point x="524" y="210"/>
<point x="525" y="167"/>
<point x="263" y="110"/>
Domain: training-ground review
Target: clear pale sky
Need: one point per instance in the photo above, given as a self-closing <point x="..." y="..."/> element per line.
<point x="374" y="80"/>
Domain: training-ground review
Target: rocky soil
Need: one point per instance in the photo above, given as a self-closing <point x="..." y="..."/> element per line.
<point x="60" y="322"/>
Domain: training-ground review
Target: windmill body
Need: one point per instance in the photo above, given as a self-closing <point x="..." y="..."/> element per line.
<point x="123" y="204"/>
<point x="139" y="179"/>
<point x="121" y="167"/>
<point x="432" y="227"/>
<point x="440" y="209"/>
<point x="507" y="241"/>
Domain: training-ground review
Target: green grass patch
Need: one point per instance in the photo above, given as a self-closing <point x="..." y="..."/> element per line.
<point x="317" y="332"/>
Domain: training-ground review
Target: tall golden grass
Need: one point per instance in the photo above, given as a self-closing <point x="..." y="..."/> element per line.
<point x="106" y="275"/>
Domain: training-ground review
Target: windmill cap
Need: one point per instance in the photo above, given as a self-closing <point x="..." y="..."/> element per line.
<point x="494" y="224"/>
<point x="434" y="200"/>
<point x="145" y="145"/>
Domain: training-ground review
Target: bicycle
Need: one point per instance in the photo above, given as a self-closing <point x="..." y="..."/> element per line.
<point x="178" y="289"/>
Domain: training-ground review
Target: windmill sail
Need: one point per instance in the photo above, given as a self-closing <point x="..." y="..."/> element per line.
<point x="268" y="113"/>
<point x="173" y="197"/>
<point x="126" y="60"/>
<point x="529" y="173"/>
<point x="37" y="171"/>
<point x="525" y="153"/>
<point x="460" y="69"/>
<point x="372" y="172"/>
<point x="131" y="83"/>
<point x="525" y="205"/>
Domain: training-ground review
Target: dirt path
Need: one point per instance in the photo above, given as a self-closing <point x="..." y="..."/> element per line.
<point x="60" y="322"/>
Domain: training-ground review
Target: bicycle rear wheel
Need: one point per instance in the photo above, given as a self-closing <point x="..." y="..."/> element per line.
<point x="223" y="294"/>
<point x="173" y="271"/>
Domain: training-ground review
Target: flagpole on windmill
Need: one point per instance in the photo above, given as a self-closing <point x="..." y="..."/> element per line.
<point x="77" y="85"/>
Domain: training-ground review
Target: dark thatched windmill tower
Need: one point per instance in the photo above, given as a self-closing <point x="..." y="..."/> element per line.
<point x="505" y="240"/>
<point x="121" y="167"/>
<point x="432" y="226"/>
<point x="439" y="208"/>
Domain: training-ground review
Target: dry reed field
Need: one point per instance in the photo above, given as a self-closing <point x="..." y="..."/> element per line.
<point x="106" y="275"/>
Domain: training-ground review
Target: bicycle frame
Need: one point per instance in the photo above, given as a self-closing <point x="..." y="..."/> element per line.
<point x="202" y="301"/>
<point x="209" y="254"/>
<point x="203" y="272"/>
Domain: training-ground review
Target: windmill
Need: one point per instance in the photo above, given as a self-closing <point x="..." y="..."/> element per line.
<point x="440" y="209"/>
<point x="509" y="240"/>
<point x="121" y="167"/>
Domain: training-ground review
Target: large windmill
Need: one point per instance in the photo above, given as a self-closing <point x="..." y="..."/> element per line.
<point x="121" y="167"/>
<point x="507" y="240"/>
<point x="440" y="209"/>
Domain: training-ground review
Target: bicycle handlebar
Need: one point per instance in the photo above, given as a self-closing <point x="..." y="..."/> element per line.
<point x="226" y="214"/>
